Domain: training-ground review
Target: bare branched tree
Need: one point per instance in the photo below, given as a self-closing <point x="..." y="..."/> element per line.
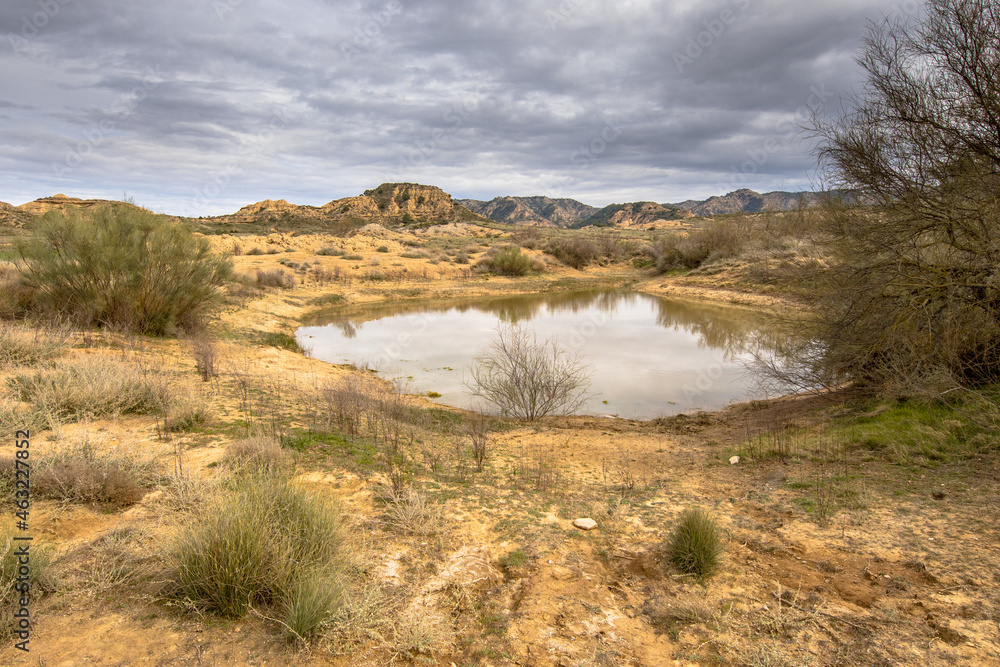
<point x="526" y="378"/>
<point x="915" y="286"/>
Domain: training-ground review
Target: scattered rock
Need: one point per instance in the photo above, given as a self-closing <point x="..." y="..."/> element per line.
<point x="585" y="524"/>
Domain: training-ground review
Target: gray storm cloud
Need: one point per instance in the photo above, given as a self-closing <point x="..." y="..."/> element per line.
<point x="201" y="106"/>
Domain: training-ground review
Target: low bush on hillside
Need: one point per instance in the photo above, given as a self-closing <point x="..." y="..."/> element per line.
<point x="275" y="278"/>
<point x="573" y="251"/>
<point x="507" y="260"/>
<point x="733" y="237"/>
<point x="330" y="251"/>
<point x="265" y="542"/>
<point x="123" y="267"/>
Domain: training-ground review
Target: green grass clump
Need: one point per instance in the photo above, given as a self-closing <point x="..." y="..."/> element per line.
<point x="265" y="541"/>
<point x="327" y="300"/>
<point x="330" y="251"/>
<point x="87" y="389"/>
<point x="696" y="544"/>
<point x="279" y="339"/>
<point x="123" y="267"/>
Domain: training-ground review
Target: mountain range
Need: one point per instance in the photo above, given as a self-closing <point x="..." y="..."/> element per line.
<point x="545" y="211"/>
<point x="411" y="203"/>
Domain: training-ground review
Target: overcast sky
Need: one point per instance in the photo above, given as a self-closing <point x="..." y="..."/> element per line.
<point x="199" y="107"/>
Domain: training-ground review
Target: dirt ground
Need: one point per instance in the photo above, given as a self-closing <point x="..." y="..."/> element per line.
<point x="487" y="567"/>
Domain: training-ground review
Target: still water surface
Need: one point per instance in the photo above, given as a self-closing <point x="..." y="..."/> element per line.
<point x="648" y="356"/>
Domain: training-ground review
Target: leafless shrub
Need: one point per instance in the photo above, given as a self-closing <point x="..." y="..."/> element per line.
<point x="528" y="379"/>
<point x="206" y="356"/>
<point x="479" y="436"/>
<point x="625" y="473"/>
<point x="537" y="470"/>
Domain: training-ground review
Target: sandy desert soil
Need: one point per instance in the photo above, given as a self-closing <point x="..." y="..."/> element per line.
<point x="830" y="558"/>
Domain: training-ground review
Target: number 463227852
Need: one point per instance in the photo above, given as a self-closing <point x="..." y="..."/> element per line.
<point x="23" y="475"/>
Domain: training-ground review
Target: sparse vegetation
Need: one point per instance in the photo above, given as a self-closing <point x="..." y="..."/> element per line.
<point x="256" y="452"/>
<point x="30" y="346"/>
<point x="89" y="388"/>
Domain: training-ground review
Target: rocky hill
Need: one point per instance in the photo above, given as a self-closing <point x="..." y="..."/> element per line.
<point x="540" y="211"/>
<point x="389" y="203"/>
<point x="633" y="215"/>
<point x="11" y="216"/>
<point x="746" y="201"/>
<point x="18" y="216"/>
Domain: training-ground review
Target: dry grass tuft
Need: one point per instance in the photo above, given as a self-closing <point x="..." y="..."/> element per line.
<point x="89" y="388"/>
<point x="79" y="474"/>
<point x="256" y="452"/>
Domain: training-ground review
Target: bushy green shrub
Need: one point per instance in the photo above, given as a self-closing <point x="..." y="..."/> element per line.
<point x="573" y="251"/>
<point x="264" y="541"/>
<point x="505" y="261"/>
<point x="123" y="267"/>
<point x="696" y="544"/>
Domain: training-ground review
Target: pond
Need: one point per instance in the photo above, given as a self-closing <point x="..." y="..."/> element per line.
<point x="648" y="356"/>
